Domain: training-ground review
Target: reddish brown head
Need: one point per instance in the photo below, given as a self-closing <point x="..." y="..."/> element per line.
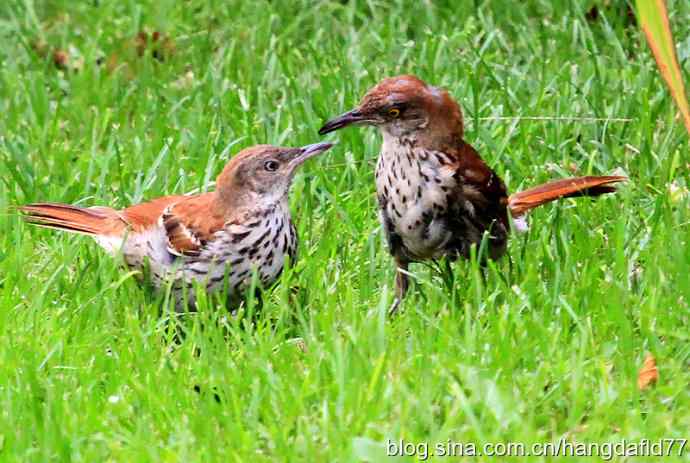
<point x="262" y="174"/>
<point x="405" y="106"/>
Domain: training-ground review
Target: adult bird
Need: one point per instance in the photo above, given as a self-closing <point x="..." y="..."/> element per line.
<point x="212" y="240"/>
<point x="437" y="197"/>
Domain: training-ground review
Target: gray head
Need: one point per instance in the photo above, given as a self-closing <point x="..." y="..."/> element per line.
<point x="263" y="173"/>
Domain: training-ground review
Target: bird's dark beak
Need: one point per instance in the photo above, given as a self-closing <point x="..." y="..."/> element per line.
<point x="350" y="117"/>
<point x="309" y="151"/>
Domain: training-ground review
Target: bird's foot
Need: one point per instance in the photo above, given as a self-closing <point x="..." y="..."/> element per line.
<point x="394" y="307"/>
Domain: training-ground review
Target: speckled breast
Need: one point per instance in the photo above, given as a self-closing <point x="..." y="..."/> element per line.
<point x="239" y="250"/>
<point x="414" y="188"/>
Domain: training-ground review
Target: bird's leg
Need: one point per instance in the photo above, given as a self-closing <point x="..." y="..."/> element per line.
<point x="402" y="283"/>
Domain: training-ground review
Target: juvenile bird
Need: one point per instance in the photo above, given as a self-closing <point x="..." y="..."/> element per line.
<point x="436" y="195"/>
<point x="213" y="239"/>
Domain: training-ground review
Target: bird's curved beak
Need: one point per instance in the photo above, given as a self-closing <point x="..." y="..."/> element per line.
<point x="308" y="151"/>
<point x="351" y="117"/>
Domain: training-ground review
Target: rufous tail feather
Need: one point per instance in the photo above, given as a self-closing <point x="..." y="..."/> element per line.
<point x="521" y="202"/>
<point x="87" y="221"/>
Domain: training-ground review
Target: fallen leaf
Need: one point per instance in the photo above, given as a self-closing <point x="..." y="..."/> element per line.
<point x="140" y="42"/>
<point x="61" y="59"/>
<point x="612" y="9"/>
<point x="592" y="14"/>
<point x="160" y="45"/>
<point x="648" y="373"/>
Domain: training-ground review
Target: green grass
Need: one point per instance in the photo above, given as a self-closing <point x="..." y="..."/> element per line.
<point x="90" y="370"/>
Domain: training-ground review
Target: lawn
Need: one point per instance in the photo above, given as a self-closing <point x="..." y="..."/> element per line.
<point x="543" y="346"/>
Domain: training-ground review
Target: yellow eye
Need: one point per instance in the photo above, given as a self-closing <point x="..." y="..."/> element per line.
<point x="394" y="112"/>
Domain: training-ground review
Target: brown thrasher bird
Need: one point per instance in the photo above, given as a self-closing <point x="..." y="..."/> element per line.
<point x="437" y="197"/>
<point x="210" y="239"/>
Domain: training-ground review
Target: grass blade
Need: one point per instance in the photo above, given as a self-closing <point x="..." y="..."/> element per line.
<point x="655" y="24"/>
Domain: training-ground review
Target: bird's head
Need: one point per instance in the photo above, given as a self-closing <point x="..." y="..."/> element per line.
<point x="263" y="173"/>
<point x="405" y="106"/>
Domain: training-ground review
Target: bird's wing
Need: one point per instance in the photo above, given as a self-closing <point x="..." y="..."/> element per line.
<point x="190" y="224"/>
<point x="142" y="217"/>
<point x="480" y="184"/>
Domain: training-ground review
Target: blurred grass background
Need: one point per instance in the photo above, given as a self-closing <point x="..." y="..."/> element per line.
<point x="95" y="111"/>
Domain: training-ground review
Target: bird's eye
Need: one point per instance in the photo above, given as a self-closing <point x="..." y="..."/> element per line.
<point x="394" y="112"/>
<point x="271" y="165"/>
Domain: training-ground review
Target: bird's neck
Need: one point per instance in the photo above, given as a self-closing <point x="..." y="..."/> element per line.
<point x="430" y="137"/>
<point x="236" y="203"/>
<point x="395" y="142"/>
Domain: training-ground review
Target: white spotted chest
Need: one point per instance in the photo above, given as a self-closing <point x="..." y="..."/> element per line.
<point x="413" y="187"/>
<point x="237" y="250"/>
